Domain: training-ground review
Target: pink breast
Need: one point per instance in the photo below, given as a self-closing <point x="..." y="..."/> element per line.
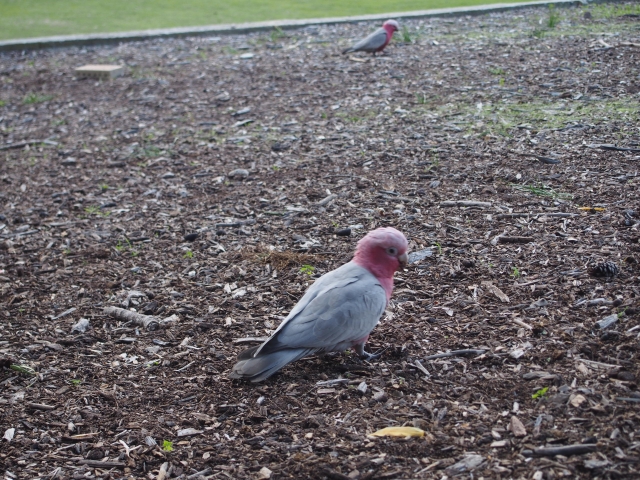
<point x="363" y="340"/>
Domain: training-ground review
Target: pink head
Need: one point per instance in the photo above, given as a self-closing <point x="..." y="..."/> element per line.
<point x="391" y="26"/>
<point x="382" y="251"/>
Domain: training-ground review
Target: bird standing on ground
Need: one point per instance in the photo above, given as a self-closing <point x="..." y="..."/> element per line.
<point x="336" y="313"/>
<point x="377" y="40"/>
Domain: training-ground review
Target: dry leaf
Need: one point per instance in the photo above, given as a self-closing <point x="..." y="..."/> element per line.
<point x="496" y="291"/>
<point x="517" y="427"/>
<point x="577" y="400"/>
<point x="399" y="432"/>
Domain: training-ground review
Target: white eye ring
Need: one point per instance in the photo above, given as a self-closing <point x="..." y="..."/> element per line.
<point x="392" y="251"/>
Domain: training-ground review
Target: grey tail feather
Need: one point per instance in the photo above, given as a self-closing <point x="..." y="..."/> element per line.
<point x="348" y="50"/>
<point x="263" y="366"/>
<point x="248" y="353"/>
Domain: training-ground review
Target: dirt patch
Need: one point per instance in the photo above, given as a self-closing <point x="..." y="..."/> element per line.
<point x="209" y="185"/>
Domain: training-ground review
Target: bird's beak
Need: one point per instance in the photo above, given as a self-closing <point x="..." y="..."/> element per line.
<point x="403" y="259"/>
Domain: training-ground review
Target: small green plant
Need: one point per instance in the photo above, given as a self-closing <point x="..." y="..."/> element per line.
<point x="31" y="98"/>
<point x="542" y="191"/>
<point x="335" y="224"/>
<point x="496" y="71"/>
<point x="501" y="82"/>
<point x="439" y="247"/>
<point x="540" y="393"/>
<point x="554" y="17"/>
<point x="275" y="168"/>
<point x="421" y="98"/>
<point x="75" y="381"/>
<point x="307" y="269"/>
<point x="104" y="187"/>
<point x="151" y="151"/>
<point x="188" y="254"/>
<point x="22" y="369"/>
<point x="276" y="34"/>
<point x="515" y="273"/>
<point x="92" y="209"/>
<point x="119" y="246"/>
<point x="406" y="35"/>
<point x="539" y="33"/>
<point x="67" y="251"/>
<point x="167" y="446"/>
<point x="2" y="103"/>
<point x="622" y="312"/>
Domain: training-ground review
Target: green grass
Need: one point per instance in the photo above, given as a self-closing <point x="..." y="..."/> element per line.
<point x="541" y="190"/>
<point x="501" y="118"/>
<point x="307" y="269"/>
<point x="540" y="393"/>
<point x="611" y="10"/>
<point x="32" y="98"/>
<point x="34" y="18"/>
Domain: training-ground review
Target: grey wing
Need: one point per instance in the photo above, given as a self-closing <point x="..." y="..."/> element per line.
<point x="341" y="314"/>
<point x="338" y="278"/>
<point x="372" y="42"/>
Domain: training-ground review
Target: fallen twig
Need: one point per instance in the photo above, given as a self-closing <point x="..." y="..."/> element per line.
<point x="330" y="383"/>
<point x="40" y="406"/>
<point x="455" y="353"/>
<point x="421" y="367"/>
<point x="464" y="203"/>
<point x="503" y="239"/>
<point x="250" y="340"/>
<point x="593" y="363"/>
<point x="547" y="160"/>
<point x="100" y="464"/>
<point x="629" y="399"/>
<point x="203" y="473"/>
<point x="566" y="450"/>
<point x="522" y="324"/>
<point x="185" y="367"/>
<point x="27" y="142"/>
<point x="610" y="146"/>
<point x="150" y="322"/>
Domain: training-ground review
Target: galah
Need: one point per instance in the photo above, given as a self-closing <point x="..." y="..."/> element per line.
<point x="377" y="40"/>
<point x="336" y="313"/>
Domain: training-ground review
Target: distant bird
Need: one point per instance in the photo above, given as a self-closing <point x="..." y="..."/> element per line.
<point x="377" y="40"/>
<point x="336" y="313"/>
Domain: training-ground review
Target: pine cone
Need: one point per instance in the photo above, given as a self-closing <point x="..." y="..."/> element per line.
<point x="604" y="269"/>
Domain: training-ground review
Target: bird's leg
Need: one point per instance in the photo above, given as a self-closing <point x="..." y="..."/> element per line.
<point x="366" y="356"/>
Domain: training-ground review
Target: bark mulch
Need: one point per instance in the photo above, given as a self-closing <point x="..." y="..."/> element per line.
<point x="219" y="177"/>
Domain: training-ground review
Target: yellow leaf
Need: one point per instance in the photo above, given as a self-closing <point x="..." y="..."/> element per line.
<point x="592" y="209"/>
<point x="399" y="432"/>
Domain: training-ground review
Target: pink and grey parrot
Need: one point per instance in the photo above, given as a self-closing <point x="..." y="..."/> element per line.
<point x="336" y="313"/>
<point x="377" y="40"/>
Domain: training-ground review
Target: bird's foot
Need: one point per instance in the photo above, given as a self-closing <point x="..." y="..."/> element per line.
<point x="369" y="357"/>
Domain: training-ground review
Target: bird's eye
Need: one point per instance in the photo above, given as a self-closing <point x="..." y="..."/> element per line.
<point x="392" y="251"/>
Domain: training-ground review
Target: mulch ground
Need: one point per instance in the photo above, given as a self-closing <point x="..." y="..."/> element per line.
<point x="206" y="187"/>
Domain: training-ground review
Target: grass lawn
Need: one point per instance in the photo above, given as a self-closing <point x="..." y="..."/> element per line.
<point x="34" y="18"/>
